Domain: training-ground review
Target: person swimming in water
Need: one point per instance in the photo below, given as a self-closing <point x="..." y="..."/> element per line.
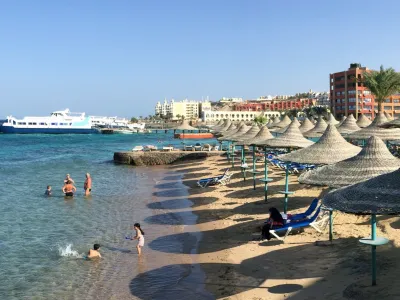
<point x="87" y="186"/>
<point x="69" y="189"/>
<point x="94" y="252"/>
<point x="139" y="236"/>
<point x="48" y="191"/>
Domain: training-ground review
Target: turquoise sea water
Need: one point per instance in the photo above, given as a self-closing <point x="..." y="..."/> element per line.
<point x="43" y="240"/>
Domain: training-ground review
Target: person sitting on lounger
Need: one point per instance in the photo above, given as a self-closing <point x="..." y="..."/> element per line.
<point x="275" y="220"/>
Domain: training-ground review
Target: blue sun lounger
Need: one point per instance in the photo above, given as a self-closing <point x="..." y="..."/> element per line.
<point x="307" y="213"/>
<point x="287" y="228"/>
<point x="221" y="179"/>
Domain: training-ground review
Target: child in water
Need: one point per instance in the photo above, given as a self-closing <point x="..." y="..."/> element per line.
<point x="94" y="252"/>
<point x="139" y="236"/>
<point x="48" y="191"/>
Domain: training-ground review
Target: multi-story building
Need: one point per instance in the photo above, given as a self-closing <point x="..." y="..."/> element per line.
<point x="247" y="116"/>
<point x="189" y="109"/>
<point x="350" y="96"/>
<point x="275" y="105"/>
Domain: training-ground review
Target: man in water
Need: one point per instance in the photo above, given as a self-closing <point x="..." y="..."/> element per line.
<point x="68" y="177"/>
<point x="48" y="191"/>
<point x="94" y="252"/>
<point x="69" y="189"/>
<point x="88" y="185"/>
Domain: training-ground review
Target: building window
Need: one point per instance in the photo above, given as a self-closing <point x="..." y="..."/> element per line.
<point x="387" y="107"/>
<point x="396" y="100"/>
<point x="367" y="92"/>
<point x="352" y="92"/>
<point x="337" y="93"/>
<point x="352" y="100"/>
<point x="386" y="100"/>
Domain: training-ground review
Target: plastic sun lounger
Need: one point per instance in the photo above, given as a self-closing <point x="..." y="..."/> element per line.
<point x="301" y="224"/>
<point x="221" y="179"/>
<point x="307" y="213"/>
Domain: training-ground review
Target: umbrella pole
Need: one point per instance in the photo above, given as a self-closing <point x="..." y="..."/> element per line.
<point x="373" y="237"/>
<point x="330" y="225"/>
<point x="254" y="167"/>
<point x="265" y="175"/>
<point x="233" y="155"/>
<point x="286" y="187"/>
<point x="228" y="152"/>
<point x="243" y="162"/>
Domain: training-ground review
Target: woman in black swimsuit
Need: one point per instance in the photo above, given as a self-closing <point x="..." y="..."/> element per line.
<point x="69" y="189"/>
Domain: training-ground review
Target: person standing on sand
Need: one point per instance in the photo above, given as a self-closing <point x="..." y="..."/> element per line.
<point x="87" y="185"/>
<point x="139" y="236"/>
<point x="69" y="189"/>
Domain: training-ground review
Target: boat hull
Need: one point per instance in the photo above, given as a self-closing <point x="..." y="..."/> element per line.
<point x="10" y="129"/>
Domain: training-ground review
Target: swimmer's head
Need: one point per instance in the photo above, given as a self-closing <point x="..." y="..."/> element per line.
<point x="49" y="187"/>
<point x="87" y="175"/>
<point x="67" y="176"/>
<point x="68" y="181"/>
<point x="96" y="246"/>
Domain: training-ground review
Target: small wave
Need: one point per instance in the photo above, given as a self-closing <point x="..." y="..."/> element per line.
<point x="69" y="252"/>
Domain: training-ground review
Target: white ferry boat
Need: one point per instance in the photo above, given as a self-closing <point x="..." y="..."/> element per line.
<point x="62" y="121"/>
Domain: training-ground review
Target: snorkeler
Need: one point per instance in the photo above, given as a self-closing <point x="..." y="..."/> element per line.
<point x="94" y="252"/>
<point x="69" y="189"/>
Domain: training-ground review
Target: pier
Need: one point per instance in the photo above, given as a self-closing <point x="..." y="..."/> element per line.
<point x="152" y="158"/>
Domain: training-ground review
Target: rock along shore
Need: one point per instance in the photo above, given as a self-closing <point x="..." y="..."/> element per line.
<point x="160" y="157"/>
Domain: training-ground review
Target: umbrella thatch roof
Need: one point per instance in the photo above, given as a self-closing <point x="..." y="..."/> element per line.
<point x="373" y="160"/>
<point x="263" y="135"/>
<point x="318" y="129"/>
<point x="242" y="130"/>
<point x="363" y="121"/>
<point x="275" y="120"/>
<point x="379" y="195"/>
<point x="291" y="138"/>
<point x="349" y="125"/>
<point x="331" y="120"/>
<point x="249" y="134"/>
<point x="374" y="130"/>
<point x="329" y="149"/>
<point x="219" y="124"/>
<point x="388" y="116"/>
<point x="282" y="130"/>
<point x="285" y="122"/>
<point x="391" y="124"/>
<point x="225" y="126"/>
<point x="185" y="126"/>
<point x="270" y="121"/>
<point x="306" y="125"/>
<point x="231" y="129"/>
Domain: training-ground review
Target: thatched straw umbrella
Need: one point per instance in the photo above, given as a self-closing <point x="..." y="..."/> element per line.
<point x="331" y="120"/>
<point x="285" y="122"/>
<point x="388" y="116"/>
<point x="373" y="160"/>
<point x="391" y="124"/>
<point x="376" y="196"/>
<point x="270" y="121"/>
<point x="329" y="149"/>
<point x="282" y="130"/>
<point x="242" y="129"/>
<point x="349" y="125"/>
<point x="363" y="121"/>
<point x="184" y="126"/>
<point x="230" y="130"/>
<point x="318" y="129"/>
<point x="291" y="138"/>
<point x="374" y="130"/>
<point x="219" y="124"/>
<point x="306" y="125"/>
<point x="225" y="127"/>
<point x="275" y="120"/>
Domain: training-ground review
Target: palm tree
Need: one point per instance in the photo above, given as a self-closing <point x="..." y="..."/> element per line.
<point x="382" y="84"/>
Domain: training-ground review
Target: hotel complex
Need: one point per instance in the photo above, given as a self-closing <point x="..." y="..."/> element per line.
<point x="189" y="109"/>
<point x="350" y="96"/>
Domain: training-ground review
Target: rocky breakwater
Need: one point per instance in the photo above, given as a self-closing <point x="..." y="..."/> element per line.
<point x="160" y="157"/>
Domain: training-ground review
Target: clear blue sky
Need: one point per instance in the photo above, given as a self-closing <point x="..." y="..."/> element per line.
<point x="121" y="57"/>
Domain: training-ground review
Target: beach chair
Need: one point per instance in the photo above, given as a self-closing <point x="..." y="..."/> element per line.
<point x="287" y="228"/>
<point x="188" y="148"/>
<point x="137" y="148"/>
<point x="216" y="148"/>
<point x="307" y="214"/>
<point x="206" y="147"/>
<point x="220" y="179"/>
<point x="197" y="147"/>
<point x="149" y="148"/>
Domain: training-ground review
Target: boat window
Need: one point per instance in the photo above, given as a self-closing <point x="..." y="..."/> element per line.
<point x="42" y="124"/>
<point x="70" y="124"/>
<point x="54" y="124"/>
<point x="14" y="123"/>
<point x="21" y="123"/>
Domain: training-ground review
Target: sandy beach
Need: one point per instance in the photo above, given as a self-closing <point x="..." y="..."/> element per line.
<point x="237" y="267"/>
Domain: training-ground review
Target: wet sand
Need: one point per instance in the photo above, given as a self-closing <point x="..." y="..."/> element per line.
<point x="236" y="267"/>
